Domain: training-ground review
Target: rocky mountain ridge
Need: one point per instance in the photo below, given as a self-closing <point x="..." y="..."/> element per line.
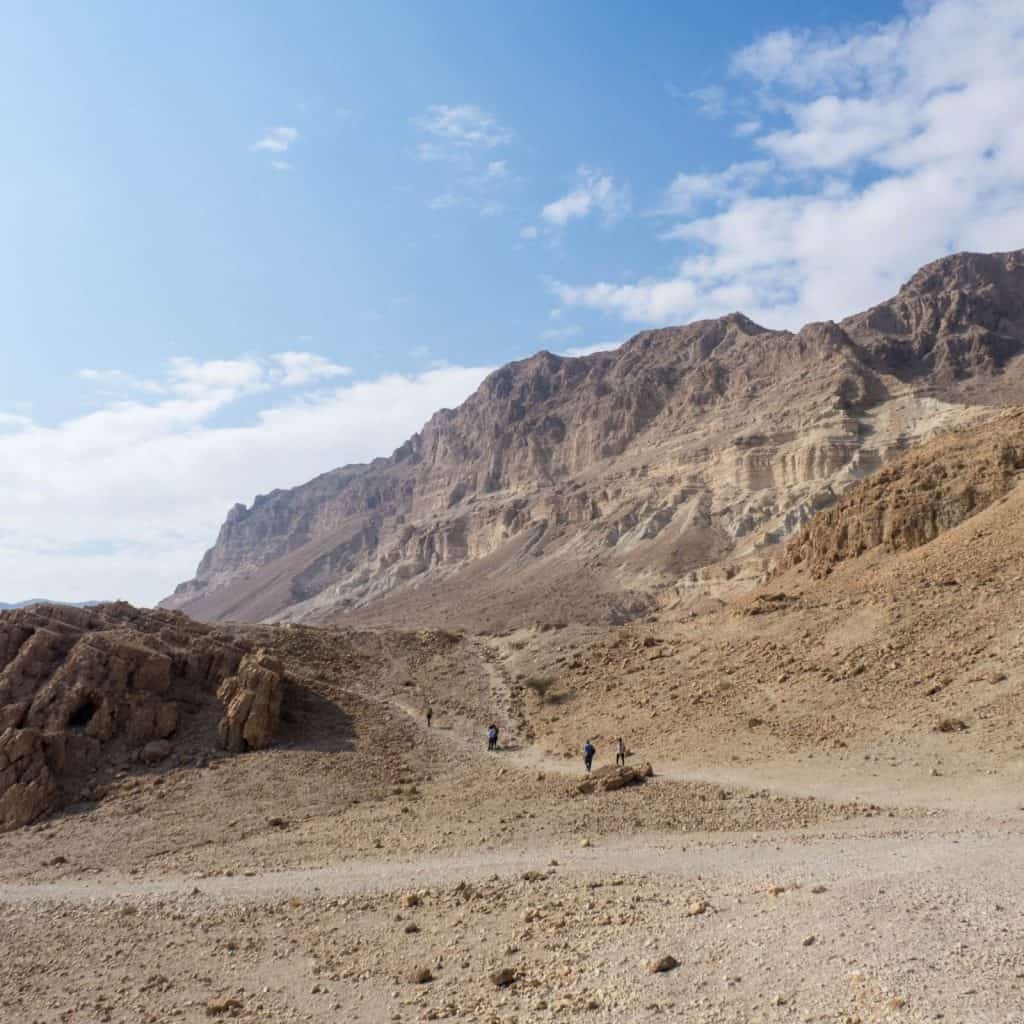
<point x="663" y="474"/>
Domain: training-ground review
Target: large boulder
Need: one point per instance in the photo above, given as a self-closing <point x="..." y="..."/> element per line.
<point x="252" y="703"/>
<point x="613" y="777"/>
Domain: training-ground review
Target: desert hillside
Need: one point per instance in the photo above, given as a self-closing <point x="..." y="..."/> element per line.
<point x="664" y="475"/>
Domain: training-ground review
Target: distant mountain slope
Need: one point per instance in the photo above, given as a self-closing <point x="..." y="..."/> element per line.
<point x="665" y="473"/>
<point x="43" y="600"/>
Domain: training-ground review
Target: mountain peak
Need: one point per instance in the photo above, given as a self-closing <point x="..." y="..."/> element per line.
<point x="663" y="473"/>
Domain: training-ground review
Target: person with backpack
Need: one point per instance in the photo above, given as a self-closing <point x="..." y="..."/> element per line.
<point x="588" y="754"/>
<point x="620" y="753"/>
<point x="492" y="737"/>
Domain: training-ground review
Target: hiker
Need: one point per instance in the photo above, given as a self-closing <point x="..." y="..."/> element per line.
<point x="620" y="753"/>
<point x="430" y="716"/>
<point x="492" y="737"/>
<point x="588" y="754"/>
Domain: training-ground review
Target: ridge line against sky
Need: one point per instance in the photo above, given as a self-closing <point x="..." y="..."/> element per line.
<point x="197" y="315"/>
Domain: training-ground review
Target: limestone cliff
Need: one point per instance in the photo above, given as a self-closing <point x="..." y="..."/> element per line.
<point x="600" y="488"/>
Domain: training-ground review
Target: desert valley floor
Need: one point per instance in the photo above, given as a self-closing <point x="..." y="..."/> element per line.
<point x="794" y="875"/>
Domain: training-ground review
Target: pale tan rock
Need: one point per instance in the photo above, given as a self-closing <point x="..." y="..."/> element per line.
<point x="252" y="704"/>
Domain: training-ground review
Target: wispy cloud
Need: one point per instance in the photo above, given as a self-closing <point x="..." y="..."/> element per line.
<point x="596" y="193"/>
<point x="277" y="140"/>
<point x="455" y="131"/>
<point x="300" y="368"/>
<point x="12" y="421"/>
<point x="710" y="100"/>
<point x="898" y="142"/>
<point x="560" y="333"/>
<point x="282" y="165"/>
<point x="118" y="380"/>
<point x="589" y="350"/>
<point x="688" y="191"/>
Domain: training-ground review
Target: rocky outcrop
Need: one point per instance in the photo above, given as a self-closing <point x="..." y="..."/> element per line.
<point x="658" y="475"/>
<point x="916" y="498"/>
<point x="252" y="704"/>
<point x="83" y="690"/>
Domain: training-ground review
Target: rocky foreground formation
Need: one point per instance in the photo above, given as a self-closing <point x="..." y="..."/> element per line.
<point x="598" y="489"/>
<point x="84" y="692"/>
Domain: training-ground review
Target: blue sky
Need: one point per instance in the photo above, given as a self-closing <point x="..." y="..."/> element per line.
<point x="249" y="242"/>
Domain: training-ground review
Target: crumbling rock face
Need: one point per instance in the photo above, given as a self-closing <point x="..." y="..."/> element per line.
<point x="85" y="689"/>
<point x="27" y="786"/>
<point x="911" y="501"/>
<point x="252" y="704"/>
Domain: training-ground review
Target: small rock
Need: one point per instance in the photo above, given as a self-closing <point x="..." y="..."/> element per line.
<point x="666" y="963"/>
<point x="810" y="940"/>
<point x="421" y="975"/>
<point x="504" y="977"/>
<point x="696" y="908"/>
<point x="155" y="751"/>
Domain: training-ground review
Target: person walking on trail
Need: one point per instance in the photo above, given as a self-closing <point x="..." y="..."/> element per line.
<point x="430" y="716"/>
<point x="492" y="737"/>
<point x="620" y="753"/>
<point x="588" y="754"/>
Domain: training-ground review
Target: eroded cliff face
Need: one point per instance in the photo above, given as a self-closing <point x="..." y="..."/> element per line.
<point x="919" y="496"/>
<point x="665" y="473"/>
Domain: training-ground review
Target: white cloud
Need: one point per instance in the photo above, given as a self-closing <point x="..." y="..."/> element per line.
<point x="11" y="421"/>
<point x="456" y="131"/>
<point x="687" y="191"/>
<point x="589" y="350"/>
<point x="747" y="128"/>
<point x="277" y="140"/>
<point x="282" y="165"/>
<point x="118" y="380"/>
<point x="898" y="143"/>
<point x="298" y="368"/>
<point x="596" y="193"/>
<point x="497" y="169"/>
<point x="528" y="232"/>
<point x="710" y="100"/>
<point x="123" y="501"/>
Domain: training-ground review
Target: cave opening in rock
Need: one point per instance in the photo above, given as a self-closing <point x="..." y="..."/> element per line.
<point x="82" y="715"/>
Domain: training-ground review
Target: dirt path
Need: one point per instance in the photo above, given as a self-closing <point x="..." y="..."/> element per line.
<point x="829" y="860"/>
